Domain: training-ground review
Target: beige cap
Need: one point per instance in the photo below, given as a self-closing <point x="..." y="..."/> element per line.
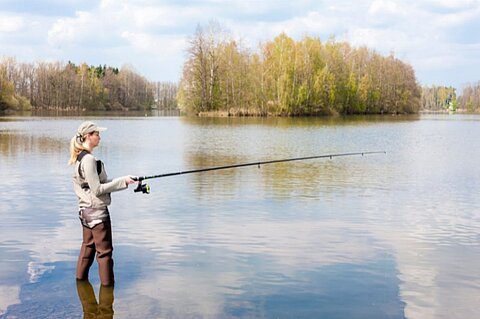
<point x="89" y="127"/>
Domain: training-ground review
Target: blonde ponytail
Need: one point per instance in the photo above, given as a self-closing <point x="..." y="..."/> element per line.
<point x="75" y="148"/>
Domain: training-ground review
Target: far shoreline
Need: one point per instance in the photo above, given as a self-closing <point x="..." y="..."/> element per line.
<point x="208" y="114"/>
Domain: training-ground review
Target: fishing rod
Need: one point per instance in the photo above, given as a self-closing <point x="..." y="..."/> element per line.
<point x="144" y="188"/>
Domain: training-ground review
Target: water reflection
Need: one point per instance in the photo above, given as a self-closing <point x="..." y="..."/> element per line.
<point x="91" y="309"/>
<point x="288" y="122"/>
<point x="13" y="144"/>
<point x="216" y="146"/>
<point x="210" y="284"/>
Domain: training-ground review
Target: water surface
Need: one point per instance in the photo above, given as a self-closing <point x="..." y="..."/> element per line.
<point x="380" y="236"/>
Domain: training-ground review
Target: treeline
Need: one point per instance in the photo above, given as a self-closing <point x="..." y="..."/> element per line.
<point x="288" y="77"/>
<point x="67" y="86"/>
<point x="165" y="95"/>
<point x="470" y="98"/>
<point x="442" y="98"/>
<point x="439" y="98"/>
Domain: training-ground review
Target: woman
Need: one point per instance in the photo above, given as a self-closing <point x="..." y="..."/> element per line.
<point x="93" y="191"/>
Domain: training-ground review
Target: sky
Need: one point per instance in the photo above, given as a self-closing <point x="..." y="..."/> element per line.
<point x="440" y="39"/>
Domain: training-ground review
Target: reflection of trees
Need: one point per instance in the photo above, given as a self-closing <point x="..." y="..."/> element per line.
<point x="313" y="178"/>
<point x="227" y="141"/>
<point x="216" y="182"/>
<point x="305" y="179"/>
<point x="289" y="122"/>
<point x="14" y="144"/>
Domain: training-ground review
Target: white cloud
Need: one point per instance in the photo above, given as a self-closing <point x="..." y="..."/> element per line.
<point x="447" y="20"/>
<point x="156" y="44"/>
<point x="452" y="4"/>
<point x="148" y="16"/>
<point x="11" y="24"/>
<point x="140" y="41"/>
<point x="165" y="16"/>
<point x="73" y="29"/>
<point x="37" y="270"/>
<point x="314" y="22"/>
<point x="383" y="6"/>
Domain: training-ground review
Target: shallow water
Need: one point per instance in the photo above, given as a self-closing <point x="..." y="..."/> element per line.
<point x="379" y="236"/>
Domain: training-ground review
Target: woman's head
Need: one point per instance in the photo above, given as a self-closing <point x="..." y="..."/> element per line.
<point x="88" y="134"/>
<point x="86" y="138"/>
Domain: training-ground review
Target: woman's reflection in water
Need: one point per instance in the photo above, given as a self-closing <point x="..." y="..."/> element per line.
<point x="91" y="309"/>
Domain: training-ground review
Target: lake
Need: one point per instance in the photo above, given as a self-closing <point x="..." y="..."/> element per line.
<point x="393" y="235"/>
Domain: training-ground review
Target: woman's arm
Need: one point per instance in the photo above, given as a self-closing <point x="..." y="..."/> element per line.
<point x="93" y="180"/>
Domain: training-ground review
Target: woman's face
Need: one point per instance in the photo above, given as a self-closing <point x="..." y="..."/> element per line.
<point x="93" y="139"/>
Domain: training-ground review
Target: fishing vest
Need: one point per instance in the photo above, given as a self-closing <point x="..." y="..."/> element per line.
<point x="79" y="160"/>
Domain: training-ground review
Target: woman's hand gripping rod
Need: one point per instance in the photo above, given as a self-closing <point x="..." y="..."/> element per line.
<point x="145" y="189"/>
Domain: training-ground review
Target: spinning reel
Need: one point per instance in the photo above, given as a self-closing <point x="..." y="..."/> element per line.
<point x="144" y="188"/>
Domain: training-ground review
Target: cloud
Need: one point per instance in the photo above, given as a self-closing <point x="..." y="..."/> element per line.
<point x="11" y="23"/>
<point x="162" y="45"/>
<point x="37" y="270"/>
<point x="128" y="32"/>
<point x="73" y="29"/>
<point x="449" y="5"/>
<point x="375" y="38"/>
<point x="383" y="6"/>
